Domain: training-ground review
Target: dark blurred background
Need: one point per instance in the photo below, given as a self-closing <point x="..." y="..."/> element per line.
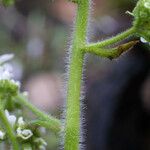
<point x="117" y="95"/>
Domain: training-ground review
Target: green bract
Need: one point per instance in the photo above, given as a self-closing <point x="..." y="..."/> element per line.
<point x="142" y="19"/>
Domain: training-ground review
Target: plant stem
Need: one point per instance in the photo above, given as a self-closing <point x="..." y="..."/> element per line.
<point x="113" y="40"/>
<point x="72" y="126"/>
<point x="9" y="130"/>
<point x="54" y="124"/>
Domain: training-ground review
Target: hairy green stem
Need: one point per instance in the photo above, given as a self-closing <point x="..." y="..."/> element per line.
<point x="54" y="124"/>
<point x="72" y="124"/>
<point x="9" y="130"/>
<point x="113" y="40"/>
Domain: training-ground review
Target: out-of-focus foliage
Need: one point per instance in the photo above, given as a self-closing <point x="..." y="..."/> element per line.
<point x="8" y="2"/>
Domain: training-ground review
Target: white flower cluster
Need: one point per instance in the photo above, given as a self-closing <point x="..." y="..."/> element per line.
<point x="6" y="69"/>
<point x="24" y="133"/>
<point x="21" y="131"/>
<point x="18" y="124"/>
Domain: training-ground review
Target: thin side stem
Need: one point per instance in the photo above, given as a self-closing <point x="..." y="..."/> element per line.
<point x="40" y="123"/>
<point x="113" y="40"/>
<point x="72" y="124"/>
<point x="9" y="130"/>
<point x="54" y="124"/>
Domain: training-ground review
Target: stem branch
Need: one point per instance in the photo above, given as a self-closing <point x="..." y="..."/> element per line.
<point x="113" y="40"/>
<point x="54" y="123"/>
<point x="40" y="123"/>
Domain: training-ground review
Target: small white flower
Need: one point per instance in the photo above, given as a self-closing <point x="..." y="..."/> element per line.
<point x="5" y="73"/>
<point x="24" y="133"/>
<point x="147" y="5"/>
<point x="6" y="57"/>
<point x="143" y="40"/>
<point x="11" y="118"/>
<point x="41" y="147"/>
<point x="25" y="93"/>
<point x="21" y="122"/>
<point x="6" y="69"/>
<point x="16" y="82"/>
<point x="2" y="135"/>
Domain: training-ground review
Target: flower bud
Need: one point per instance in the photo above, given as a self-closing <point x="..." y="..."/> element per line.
<point x="21" y="122"/>
<point x="10" y="118"/>
<point x="2" y="135"/>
